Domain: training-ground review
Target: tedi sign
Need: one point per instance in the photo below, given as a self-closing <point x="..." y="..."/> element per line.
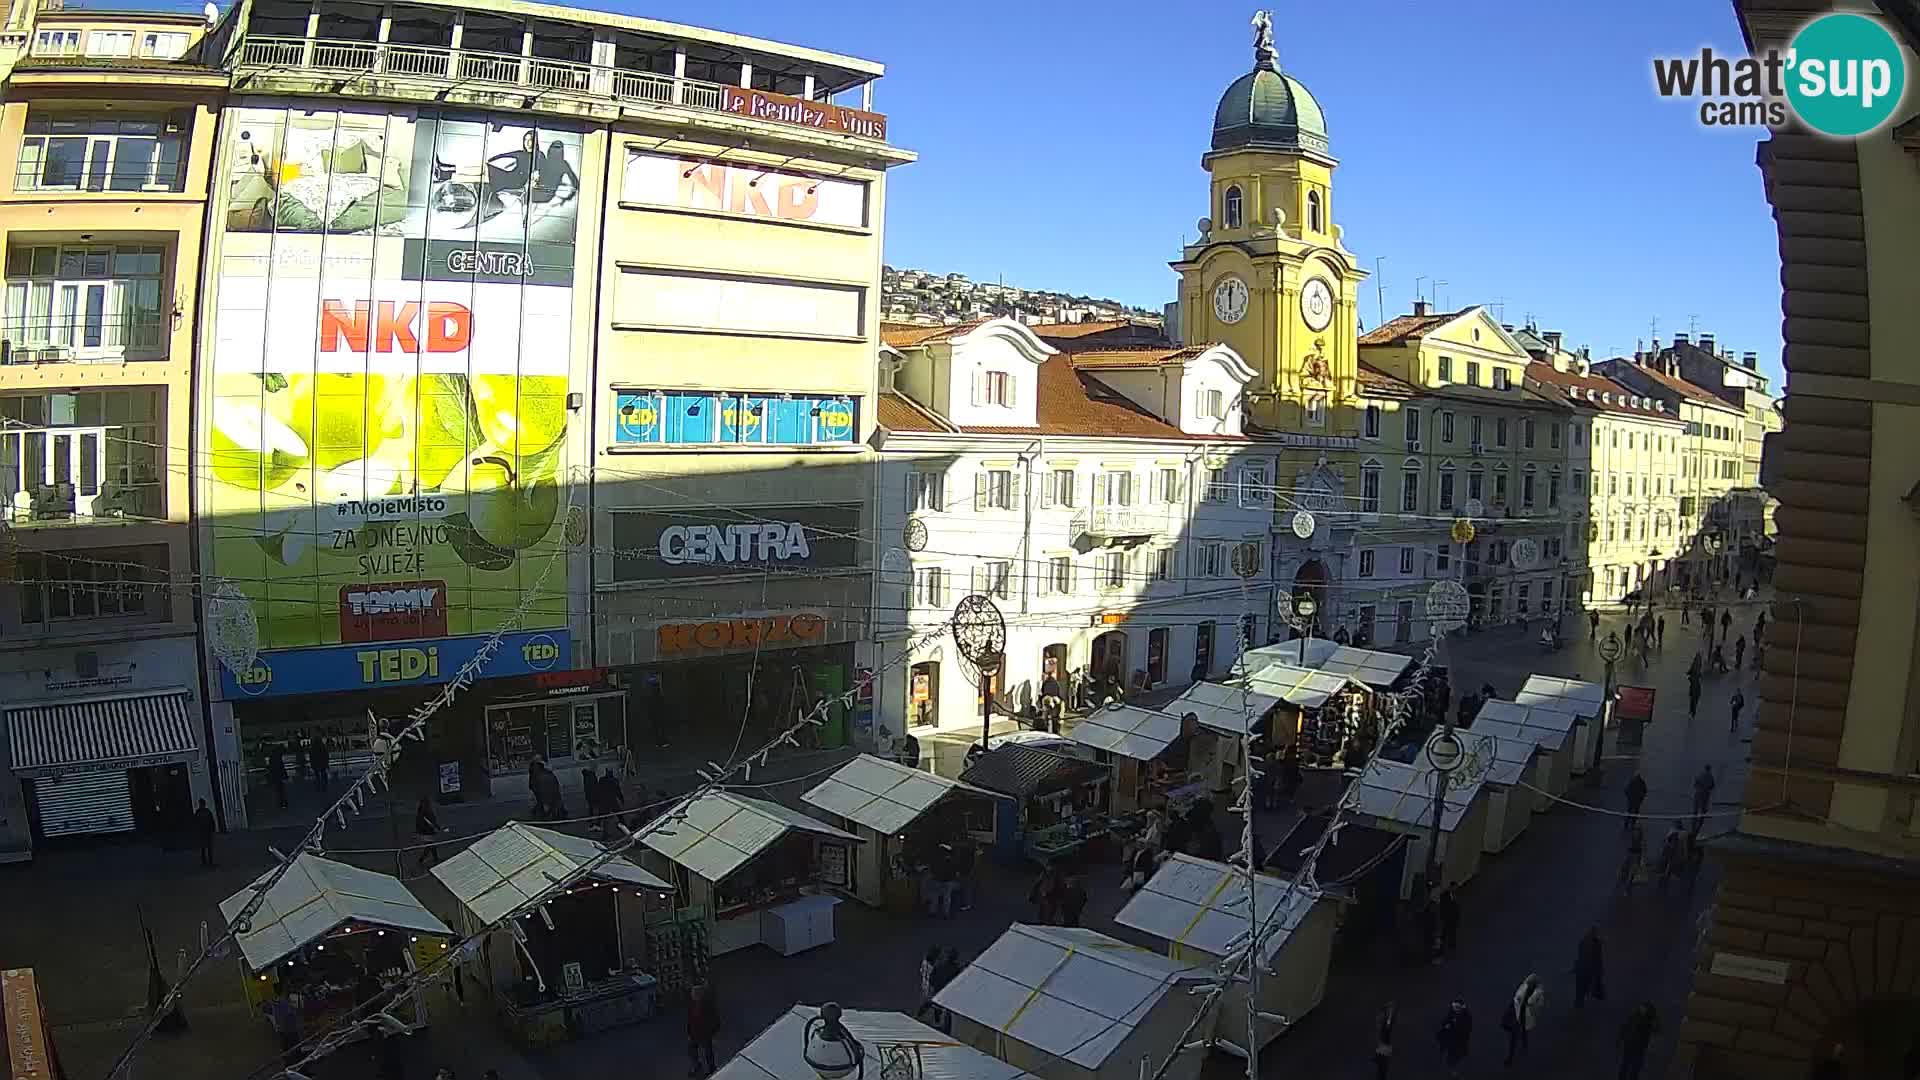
<point x="759" y="542"/>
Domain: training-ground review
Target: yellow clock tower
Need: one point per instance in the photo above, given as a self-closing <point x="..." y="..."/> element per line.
<point x="1268" y="275"/>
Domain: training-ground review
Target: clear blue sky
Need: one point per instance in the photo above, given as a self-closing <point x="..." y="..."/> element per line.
<point x="1513" y="148"/>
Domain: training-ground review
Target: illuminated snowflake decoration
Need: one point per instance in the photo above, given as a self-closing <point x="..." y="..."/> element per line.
<point x="233" y="632"/>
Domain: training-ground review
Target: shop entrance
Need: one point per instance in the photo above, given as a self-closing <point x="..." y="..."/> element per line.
<point x="1157" y="643"/>
<point x="1203" y="652"/>
<point x="1109" y="656"/>
<point x="162" y="800"/>
<point x="1312" y="580"/>
<point x="923" y="694"/>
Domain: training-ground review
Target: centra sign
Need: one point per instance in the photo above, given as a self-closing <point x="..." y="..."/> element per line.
<point x="769" y="542"/>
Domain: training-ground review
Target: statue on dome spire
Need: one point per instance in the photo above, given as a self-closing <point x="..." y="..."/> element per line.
<point x="1263" y="52"/>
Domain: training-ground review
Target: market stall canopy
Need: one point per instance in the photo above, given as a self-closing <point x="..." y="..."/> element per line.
<point x="1355" y="849"/>
<point x="1553" y="725"/>
<point x="1130" y="731"/>
<point x="776" y="1053"/>
<point x="516" y="862"/>
<point x="316" y="897"/>
<point x="1225" y="709"/>
<point x="1075" y="994"/>
<point x="1506" y="749"/>
<point x="1202" y="904"/>
<point x="1403" y="794"/>
<point x="1376" y="669"/>
<point x="1022" y="772"/>
<point x="1300" y="687"/>
<point x="1563" y="695"/>
<point x="883" y="795"/>
<point x="722" y="832"/>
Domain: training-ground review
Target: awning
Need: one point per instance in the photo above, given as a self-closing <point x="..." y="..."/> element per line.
<point x="1562" y="695"/>
<point x="516" y="862"/>
<point x="1299" y="686"/>
<point x="776" y="1053"/>
<point x="1403" y="794"/>
<point x="1224" y="709"/>
<point x="1202" y="905"/>
<point x="1553" y="724"/>
<point x="316" y="897"/>
<point x="1370" y="666"/>
<point x="883" y="795"/>
<point x="103" y="734"/>
<point x="1128" y="730"/>
<point x="1507" y="749"/>
<point x="722" y="832"/>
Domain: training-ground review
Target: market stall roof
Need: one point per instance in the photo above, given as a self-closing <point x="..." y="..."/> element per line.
<point x="1128" y="730"/>
<point x="1073" y="993"/>
<point x="317" y="896"/>
<point x="1223" y="708"/>
<point x="883" y="795"/>
<point x="776" y="1053"/>
<point x="1565" y="695"/>
<point x="723" y="832"/>
<point x="1298" y="686"/>
<point x="1390" y="791"/>
<point x="1202" y="905"/>
<point x="1507" y="749"/>
<point x="1369" y="666"/>
<point x="1022" y="772"/>
<point x="517" y="862"/>
<point x="1554" y="725"/>
<point x="1355" y="849"/>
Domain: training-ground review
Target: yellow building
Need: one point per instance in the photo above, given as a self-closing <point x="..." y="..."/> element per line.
<point x="1811" y="938"/>
<point x="545" y="326"/>
<point x="111" y="131"/>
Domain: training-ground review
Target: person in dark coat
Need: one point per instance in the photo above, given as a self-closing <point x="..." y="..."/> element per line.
<point x="1045" y="897"/>
<point x="1636" y="795"/>
<point x="1740" y="651"/>
<point x="1455" y="1037"/>
<point x="1589" y="969"/>
<point x="547" y="799"/>
<point x="317" y="757"/>
<point x="277" y="773"/>
<point x="426" y="826"/>
<point x="1593" y="624"/>
<point x="1726" y="624"/>
<point x="205" y="827"/>
<point x="1448" y="907"/>
<point x="1660" y="632"/>
<point x="590" y="792"/>
<point x="703" y="1023"/>
<point x="1383" y="1042"/>
<point x="1635" y="1035"/>
<point x="1693" y="696"/>
<point x="945" y="972"/>
<point x="1738" y="702"/>
<point x="1073" y="901"/>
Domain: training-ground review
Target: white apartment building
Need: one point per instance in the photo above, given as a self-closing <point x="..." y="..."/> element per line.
<point x="1107" y="501"/>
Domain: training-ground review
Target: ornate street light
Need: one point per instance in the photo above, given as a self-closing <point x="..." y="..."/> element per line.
<point x="830" y="1049"/>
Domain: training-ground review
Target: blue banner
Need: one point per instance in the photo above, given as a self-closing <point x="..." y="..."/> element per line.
<point x="381" y="664"/>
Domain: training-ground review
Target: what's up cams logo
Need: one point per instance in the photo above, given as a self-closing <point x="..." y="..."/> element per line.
<point x="1842" y="75"/>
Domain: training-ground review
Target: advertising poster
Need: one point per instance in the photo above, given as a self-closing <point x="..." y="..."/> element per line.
<point x="387" y="430"/>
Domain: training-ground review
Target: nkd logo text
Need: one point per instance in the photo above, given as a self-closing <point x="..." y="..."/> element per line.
<point x="1843" y="75"/>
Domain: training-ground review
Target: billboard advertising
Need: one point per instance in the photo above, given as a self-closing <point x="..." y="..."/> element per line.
<point x="386" y="434"/>
<point x="658" y="545"/>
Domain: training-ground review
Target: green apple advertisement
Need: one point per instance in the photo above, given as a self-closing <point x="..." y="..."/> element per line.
<point x="386" y="433"/>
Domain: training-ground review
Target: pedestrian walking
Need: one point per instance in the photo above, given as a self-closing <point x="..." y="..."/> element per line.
<point x="1045" y="897"/>
<point x="1523" y="1013"/>
<point x="944" y="972"/>
<point x="1073" y="901"/>
<point x="1455" y="1037"/>
<point x="277" y="773"/>
<point x="942" y="876"/>
<point x="1636" y="795"/>
<point x="1726" y="623"/>
<point x="703" y="1023"/>
<point x="1635" y="1035"/>
<point x="1660" y="632"/>
<point x="927" y="964"/>
<point x="317" y="760"/>
<point x="426" y="826"/>
<point x="1720" y="659"/>
<point x="1740" y="651"/>
<point x="1759" y="628"/>
<point x="1672" y="854"/>
<point x="1703" y="790"/>
<point x="1383" y="1042"/>
<point x="1706" y="620"/>
<point x="1449" y="908"/>
<point x="205" y="826"/>
<point x="1589" y="969"/>
<point x="1693" y="696"/>
<point x="1630" y="865"/>
<point x="1593" y="624"/>
<point x="1685" y="614"/>
<point x="1734" y="706"/>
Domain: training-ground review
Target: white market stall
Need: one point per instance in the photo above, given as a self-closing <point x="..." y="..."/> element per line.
<point x="1380" y="670"/>
<point x="890" y="1040"/>
<point x="901" y="814"/>
<point x="1399" y="798"/>
<point x="1074" y="1004"/>
<point x="1553" y="731"/>
<point x="1585" y="700"/>
<point x="1199" y="908"/>
<point x="755" y="869"/>
<point x="1511" y="757"/>
<point x="581" y="968"/>
<point x="1149" y="756"/>
<point x="1329" y="709"/>
<point x="1222" y="714"/>
<point x="332" y="934"/>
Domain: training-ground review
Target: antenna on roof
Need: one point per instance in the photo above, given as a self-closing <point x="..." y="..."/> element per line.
<point x="1379" y="290"/>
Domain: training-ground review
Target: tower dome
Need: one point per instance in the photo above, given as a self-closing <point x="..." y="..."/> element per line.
<point x="1268" y="109"/>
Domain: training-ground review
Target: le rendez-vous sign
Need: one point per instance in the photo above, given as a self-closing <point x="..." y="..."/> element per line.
<point x="780" y="108"/>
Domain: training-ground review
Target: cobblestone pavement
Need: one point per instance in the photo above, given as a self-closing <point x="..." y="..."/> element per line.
<point x="71" y="915"/>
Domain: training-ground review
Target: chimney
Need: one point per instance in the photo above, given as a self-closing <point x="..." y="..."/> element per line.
<point x="1706" y="342"/>
<point x="1419" y="307"/>
<point x="1679" y="340"/>
<point x="1553" y="339"/>
<point x="1751" y="359"/>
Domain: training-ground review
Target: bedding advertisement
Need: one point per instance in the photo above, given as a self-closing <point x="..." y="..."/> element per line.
<point x="387" y="428"/>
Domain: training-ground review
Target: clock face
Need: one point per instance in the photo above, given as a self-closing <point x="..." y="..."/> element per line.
<point x="1230" y="299"/>
<point x="1316" y="304"/>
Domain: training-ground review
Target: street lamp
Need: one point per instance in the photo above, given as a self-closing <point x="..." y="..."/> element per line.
<point x="1610" y="650"/>
<point x="1303" y="609"/>
<point x="1444" y="753"/>
<point x="829" y="1048"/>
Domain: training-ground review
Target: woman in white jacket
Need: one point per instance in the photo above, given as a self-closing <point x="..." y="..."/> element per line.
<point x="1529" y="1001"/>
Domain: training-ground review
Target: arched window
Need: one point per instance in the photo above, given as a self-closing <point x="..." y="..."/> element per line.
<point x="1231" y="209"/>
<point x="1313" y="212"/>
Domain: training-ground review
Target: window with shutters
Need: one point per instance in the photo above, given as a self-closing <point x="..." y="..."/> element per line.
<point x="1413" y="429"/>
<point x="994" y="578"/>
<point x="1366" y="562"/>
<point x="1370" y="489"/>
<point x="1553" y="436"/>
<point x="1553" y="491"/>
<point x="1446" y="487"/>
<point x="996" y="388"/>
<point x="1169" y="486"/>
<point x="1526" y="433"/>
<point x="1113" y="570"/>
<point x="1113" y="488"/>
<point x="1254" y="487"/>
<point x="1219" y="487"/>
<point x="1526" y="488"/>
<point x="1406" y="560"/>
<point x="994" y="490"/>
<point x="1476" y="483"/>
<point x="1210" y="559"/>
<point x="1163" y="564"/>
<point x="1500" y="488"/>
<point x="1371" y="423"/>
<point x="1446" y="428"/>
<point x="1499" y="431"/>
<point x="1059" y="576"/>
<point x="926" y="490"/>
<point x="1500" y="376"/>
<point x="1057" y="488"/>
<point x="1409" y="490"/>
<point x="1213" y="404"/>
<point x="930" y="587"/>
<point x="1443" y="557"/>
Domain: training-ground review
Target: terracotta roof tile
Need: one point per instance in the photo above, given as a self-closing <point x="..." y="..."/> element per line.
<point x="1682" y="387"/>
<point x="900" y="413"/>
<point x="1376" y="382"/>
<point x="1075" y="403"/>
<point x="1401" y="327"/>
<point x="1076" y="329"/>
<point x="1137" y="356"/>
<point x="908" y="335"/>
<point x="1559" y="382"/>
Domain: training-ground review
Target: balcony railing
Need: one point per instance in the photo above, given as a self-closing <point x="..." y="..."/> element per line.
<point x="83" y="338"/>
<point x="57" y="474"/>
<point x="484" y="68"/>
<point x="1108" y="523"/>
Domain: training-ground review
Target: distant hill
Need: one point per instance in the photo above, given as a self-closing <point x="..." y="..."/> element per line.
<point x="910" y="295"/>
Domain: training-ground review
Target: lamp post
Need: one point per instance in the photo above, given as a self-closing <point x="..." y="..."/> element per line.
<point x="829" y="1048"/>
<point x="1444" y="753"/>
<point x="1610" y="649"/>
<point x="1303" y="609"/>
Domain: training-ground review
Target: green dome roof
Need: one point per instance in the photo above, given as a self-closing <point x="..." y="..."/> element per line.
<point x="1268" y="109"/>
